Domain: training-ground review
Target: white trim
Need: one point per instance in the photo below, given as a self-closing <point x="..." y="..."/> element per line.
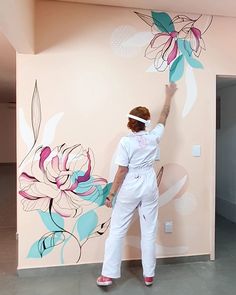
<point x="213" y="181"/>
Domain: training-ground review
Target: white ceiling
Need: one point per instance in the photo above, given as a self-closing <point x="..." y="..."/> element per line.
<point x="7" y="71"/>
<point x="215" y="7"/>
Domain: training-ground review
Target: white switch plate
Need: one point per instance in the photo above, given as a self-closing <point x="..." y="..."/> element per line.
<point x="196" y="150"/>
<point x="168" y="226"/>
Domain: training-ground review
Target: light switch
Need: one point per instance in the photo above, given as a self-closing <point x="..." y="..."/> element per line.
<point x="196" y="150"/>
<point x="168" y="226"/>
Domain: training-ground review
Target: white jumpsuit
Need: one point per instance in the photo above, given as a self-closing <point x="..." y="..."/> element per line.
<point x="137" y="151"/>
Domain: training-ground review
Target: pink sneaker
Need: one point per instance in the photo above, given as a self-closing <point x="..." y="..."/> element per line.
<point x="148" y="281"/>
<point x="104" y="281"/>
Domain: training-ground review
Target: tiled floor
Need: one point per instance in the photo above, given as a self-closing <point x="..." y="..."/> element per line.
<point x="199" y="278"/>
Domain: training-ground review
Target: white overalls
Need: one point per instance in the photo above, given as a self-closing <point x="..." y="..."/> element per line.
<point x="137" y="151"/>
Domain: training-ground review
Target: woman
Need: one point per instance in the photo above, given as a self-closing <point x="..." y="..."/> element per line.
<point x="135" y="185"/>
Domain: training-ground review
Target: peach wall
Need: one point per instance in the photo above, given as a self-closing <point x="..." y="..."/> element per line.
<point x="88" y="78"/>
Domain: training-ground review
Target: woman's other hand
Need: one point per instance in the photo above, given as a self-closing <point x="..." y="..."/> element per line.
<point x="108" y="202"/>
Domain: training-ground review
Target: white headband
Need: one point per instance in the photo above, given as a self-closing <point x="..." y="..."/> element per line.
<point x="146" y="122"/>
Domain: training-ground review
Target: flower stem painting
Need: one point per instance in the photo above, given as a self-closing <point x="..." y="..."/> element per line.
<point x="59" y="185"/>
<point x="176" y="41"/>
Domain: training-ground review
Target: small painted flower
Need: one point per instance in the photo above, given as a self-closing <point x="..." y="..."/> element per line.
<point x="163" y="49"/>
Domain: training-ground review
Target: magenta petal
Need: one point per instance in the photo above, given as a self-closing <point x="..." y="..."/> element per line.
<point x="156" y="44"/>
<point x="86" y="176"/>
<point x="61" y="180"/>
<point x="83" y="178"/>
<point x="195" y="38"/>
<point x="27" y="177"/>
<point x="55" y="163"/>
<point x="196" y="32"/>
<point x="46" y="151"/>
<point x="166" y="48"/>
<point x="159" y="40"/>
<point x="25" y="195"/>
<point x="87" y="193"/>
<point x="65" y="156"/>
<point x="100" y="181"/>
<point x="173" y="54"/>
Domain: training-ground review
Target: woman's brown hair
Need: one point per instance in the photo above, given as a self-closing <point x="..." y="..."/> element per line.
<point x="141" y="112"/>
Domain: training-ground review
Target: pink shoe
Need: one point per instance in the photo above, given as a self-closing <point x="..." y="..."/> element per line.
<point x="148" y="281"/>
<point x="104" y="281"/>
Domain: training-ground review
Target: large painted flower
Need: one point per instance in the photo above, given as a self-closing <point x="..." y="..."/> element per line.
<point x="163" y="49"/>
<point x="56" y="177"/>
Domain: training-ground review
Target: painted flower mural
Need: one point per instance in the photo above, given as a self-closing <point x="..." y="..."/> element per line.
<point x="59" y="185"/>
<point x="175" y="41"/>
<point x="56" y="180"/>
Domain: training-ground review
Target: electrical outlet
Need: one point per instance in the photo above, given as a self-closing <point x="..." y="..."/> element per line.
<point x="168" y="226"/>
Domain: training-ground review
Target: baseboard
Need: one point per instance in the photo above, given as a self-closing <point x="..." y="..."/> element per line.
<point x="226" y="209"/>
<point x="77" y="269"/>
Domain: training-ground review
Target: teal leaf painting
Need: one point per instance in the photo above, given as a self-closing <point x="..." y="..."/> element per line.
<point x="194" y="63"/>
<point x="86" y="224"/>
<point x="99" y="194"/>
<point x="185" y="48"/>
<point x="34" y="251"/>
<point x="163" y="21"/>
<point x="177" y="69"/>
<point x="48" y="222"/>
<point x="45" y="245"/>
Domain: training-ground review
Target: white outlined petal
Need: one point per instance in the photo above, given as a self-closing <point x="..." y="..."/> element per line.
<point x="25" y="131"/>
<point x="191" y="95"/>
<point x="118" y="38"/>
<point x="186" y="204"/>
<point x="168" y="195"/>
<point x="151" y="69"/>
<point x="50" y="129"/>
<point x="139" y="39"/>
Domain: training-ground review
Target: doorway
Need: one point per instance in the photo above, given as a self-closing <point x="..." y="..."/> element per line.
<point x="8" y="253"/>
<point x="225" y="166"/>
